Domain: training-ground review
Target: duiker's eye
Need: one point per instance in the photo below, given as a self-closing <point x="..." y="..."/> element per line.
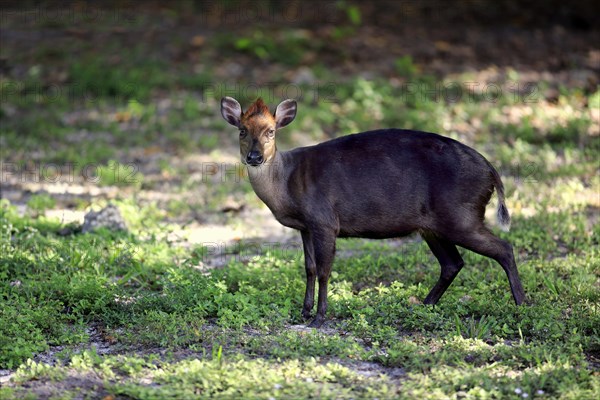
<point x="271" y="133"/>
<point x="243" y="132"/>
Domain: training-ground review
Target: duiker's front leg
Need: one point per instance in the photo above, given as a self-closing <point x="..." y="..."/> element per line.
<point x="324" y="248"/>
<point x="311" y="274"/>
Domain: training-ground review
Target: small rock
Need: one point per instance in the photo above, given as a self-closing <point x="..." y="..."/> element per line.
<point x="231" y="205"/>
<point x="465" y="299"/>
<point x="5" y="376"/>
<point x="109" y="217"/>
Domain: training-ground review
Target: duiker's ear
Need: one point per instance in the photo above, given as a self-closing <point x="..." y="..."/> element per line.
<point x="285" y="113"/>
<point x="231" y="111"/>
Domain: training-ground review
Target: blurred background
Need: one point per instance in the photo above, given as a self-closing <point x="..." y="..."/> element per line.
<point x="119" y="101"/>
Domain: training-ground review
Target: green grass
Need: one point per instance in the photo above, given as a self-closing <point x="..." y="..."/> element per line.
<point x="178" y="329"/>
<point x="216" y="332"/>
<point x="144" y="292"/>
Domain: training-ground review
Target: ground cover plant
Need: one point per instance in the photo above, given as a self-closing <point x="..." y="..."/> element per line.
<point x="201" y="295"/>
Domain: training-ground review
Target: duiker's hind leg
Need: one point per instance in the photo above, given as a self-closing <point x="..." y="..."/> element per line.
<point x="450" y="262"/>
<point x="484" y="242"/>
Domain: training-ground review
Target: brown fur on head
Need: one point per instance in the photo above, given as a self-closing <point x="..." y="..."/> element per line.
<point x="257" y="127"/>
<point x="257" y="108"/>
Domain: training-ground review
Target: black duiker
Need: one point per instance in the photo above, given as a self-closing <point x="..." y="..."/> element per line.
<point x="378" y="184"/>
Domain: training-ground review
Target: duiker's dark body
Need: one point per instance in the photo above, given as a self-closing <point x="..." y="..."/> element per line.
<point x="377" y="184"/>
<point x="387" y="183"/>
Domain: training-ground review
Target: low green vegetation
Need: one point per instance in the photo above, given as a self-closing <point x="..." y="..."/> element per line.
<point x="230" y="330"/>
<point x="147" y="314"/>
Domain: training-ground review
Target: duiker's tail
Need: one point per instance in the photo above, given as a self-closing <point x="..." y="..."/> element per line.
<point x="502" y="214"/>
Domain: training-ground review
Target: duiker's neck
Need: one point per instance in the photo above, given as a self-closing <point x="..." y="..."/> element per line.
<point x="268" y="181"/>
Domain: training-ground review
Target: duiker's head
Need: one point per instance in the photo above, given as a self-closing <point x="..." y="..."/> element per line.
<point x="257" y="127"/>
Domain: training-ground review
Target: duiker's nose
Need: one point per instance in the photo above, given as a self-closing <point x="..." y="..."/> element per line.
<point x="254" y="158"/>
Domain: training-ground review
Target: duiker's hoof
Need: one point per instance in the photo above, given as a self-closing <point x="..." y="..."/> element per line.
<point x="316" y="323"/>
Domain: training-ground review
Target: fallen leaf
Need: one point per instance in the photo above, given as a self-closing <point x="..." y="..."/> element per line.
<point x="197" y="41"/>
<point x="442" y="45"/>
